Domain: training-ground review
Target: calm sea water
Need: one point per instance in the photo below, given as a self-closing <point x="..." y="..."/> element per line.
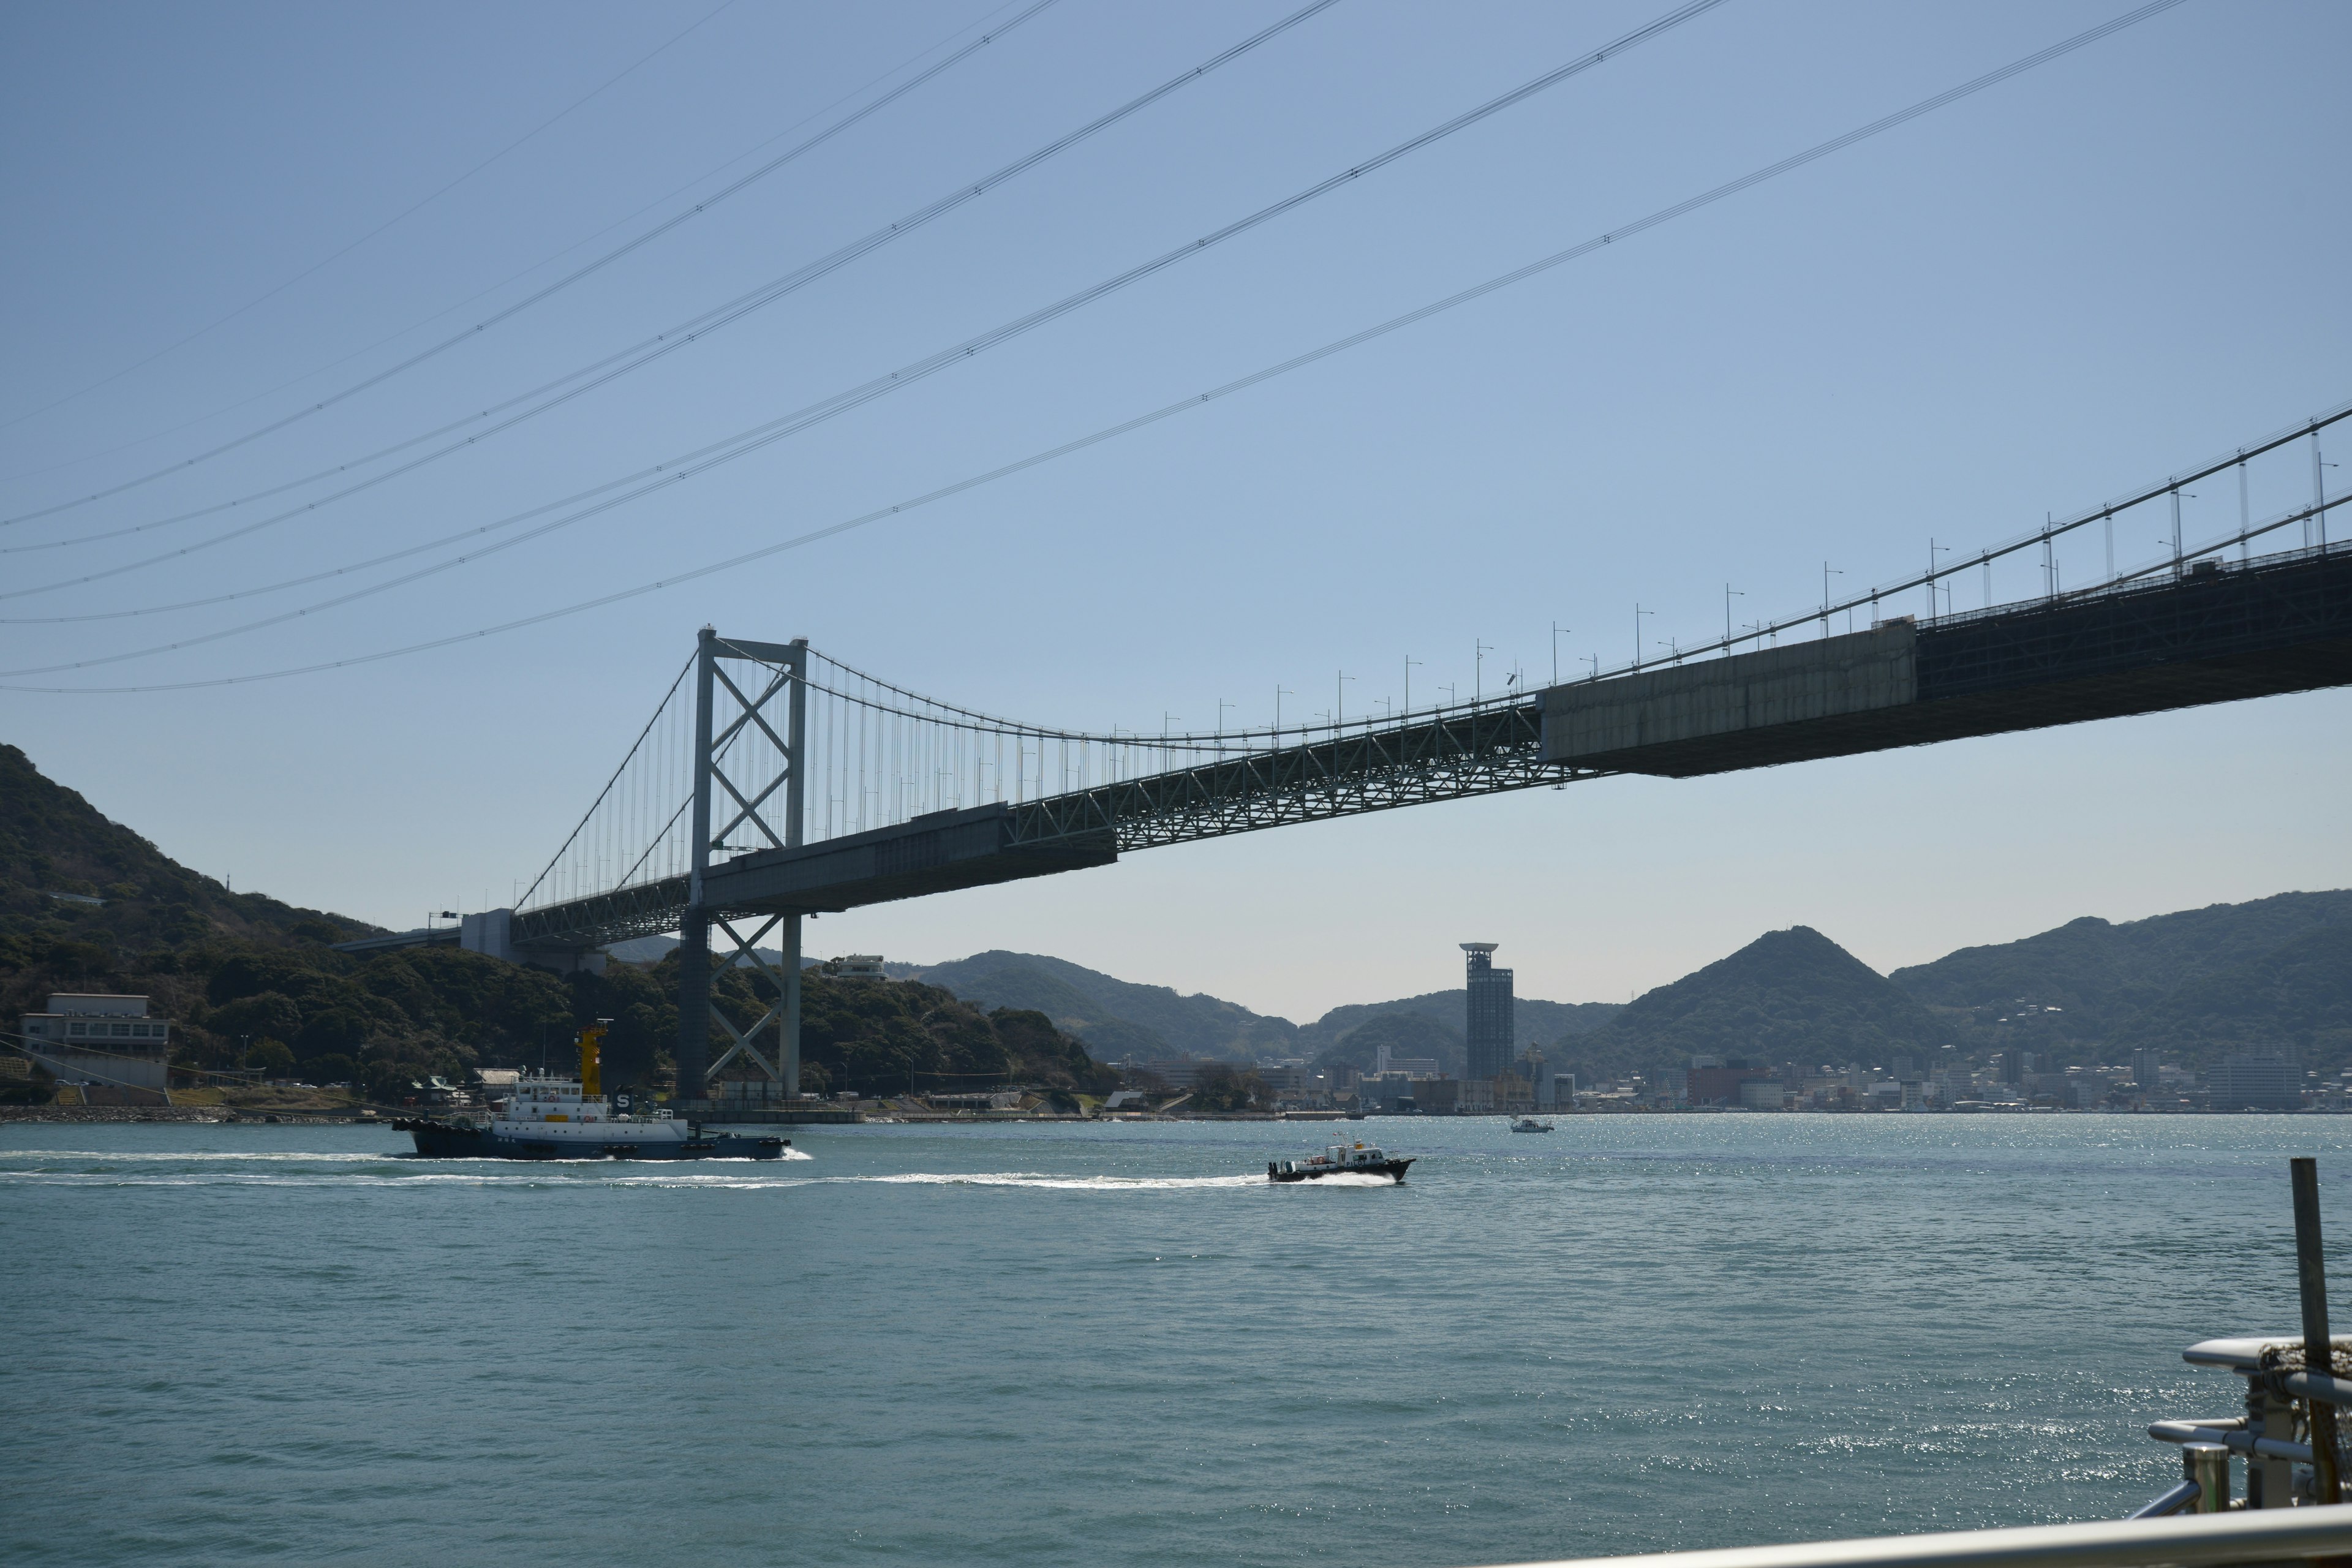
<point x="1117" y="1345"/>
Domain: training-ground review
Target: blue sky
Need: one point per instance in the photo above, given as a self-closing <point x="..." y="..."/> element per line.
<point x="2116" y="265"/>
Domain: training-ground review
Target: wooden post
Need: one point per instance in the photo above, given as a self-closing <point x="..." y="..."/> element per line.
<point x="2318" y="1351"/>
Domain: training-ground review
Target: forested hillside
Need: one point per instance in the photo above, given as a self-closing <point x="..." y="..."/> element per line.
<point x="1406" y="1034"/>
<point x="1116" y="1017"/>
<point x="2270" y="973"/>
<point x="76" y="889"/>
<point x="1536" y="1022"/>
<point x="1789" y="995"/>
<point x="250" y="982"/>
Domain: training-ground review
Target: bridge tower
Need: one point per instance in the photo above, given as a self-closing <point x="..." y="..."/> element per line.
<point x="772" y="672"/>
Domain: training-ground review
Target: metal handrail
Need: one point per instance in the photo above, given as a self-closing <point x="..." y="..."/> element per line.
<point x="2177" y="1500"/>
<point x="2196" y="1541"/>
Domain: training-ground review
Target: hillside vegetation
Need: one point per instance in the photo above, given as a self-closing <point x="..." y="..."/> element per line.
<point x="1407" y="1035"/>
<point x="1789" y="995"/>
<point x="250" y="981"/>
<point x="1536" y="1022"/>
<point x="2195" y="984"/>
<point x="1116" y="1017"/>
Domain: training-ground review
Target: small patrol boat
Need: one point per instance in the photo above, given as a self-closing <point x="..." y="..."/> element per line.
<point x="1529" y="1124"/>
<point x="550" y="1117"/>
<point x="1338" y="1160"/>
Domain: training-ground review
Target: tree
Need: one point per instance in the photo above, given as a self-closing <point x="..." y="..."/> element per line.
<point x="331" y="1068"/>
<point x="1217" y="1087"/>
<point x="271" y="1058"/>
<point x="270" y="1013"/>
<point x="338" y="1031"/>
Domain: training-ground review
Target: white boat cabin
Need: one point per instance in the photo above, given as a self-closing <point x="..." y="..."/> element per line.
<point x="1336" y="1157"/>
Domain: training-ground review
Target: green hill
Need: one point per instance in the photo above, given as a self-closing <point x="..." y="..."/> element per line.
<point x="69" y="877"/>
<point x="250" y="982"/>
<point x="1536" y="1022"/>
<point x="1115" y="1017"/>
<point x="2297" y="994"/>
<point x="1789" y="995"/>
<point x="1118" y="1018"/>
<point x="1406" y="1034"/>
<point x="2192" y="984"/>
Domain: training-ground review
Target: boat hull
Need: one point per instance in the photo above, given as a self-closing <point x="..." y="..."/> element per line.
<point x="1393" y="1169"/>
<point x="463" y="1140"/>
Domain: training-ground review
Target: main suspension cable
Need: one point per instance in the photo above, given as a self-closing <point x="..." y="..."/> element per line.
<point x="906" y="375"/>
<point x="1112" y="432"/>
<point x="509" y="313"/>
<point x="579" y="382"/>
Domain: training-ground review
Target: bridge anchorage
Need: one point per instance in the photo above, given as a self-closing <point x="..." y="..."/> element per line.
<point x="774" y="782"/>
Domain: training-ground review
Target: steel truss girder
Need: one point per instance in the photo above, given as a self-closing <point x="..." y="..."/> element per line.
<point x="1483" y="752"/>
<point x="649" y="909"/>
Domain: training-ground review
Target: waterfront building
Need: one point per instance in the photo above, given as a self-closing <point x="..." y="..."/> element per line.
<point x="1490" y="1012"/>
<point x="1176" y="1074"/>
<point x="1712" y="1081"/>
<point x="1552" y="1086"/>
<point x="1384" y="1063"/>
<point x="2255" y="1080"/>
<point x="101" y="1039"/>
<point x="1456" y="1096"/>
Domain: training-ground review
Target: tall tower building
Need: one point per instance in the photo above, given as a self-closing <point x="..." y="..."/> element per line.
<point x="1490" y="1020"/>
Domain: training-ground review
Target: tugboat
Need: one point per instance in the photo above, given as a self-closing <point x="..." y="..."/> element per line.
<point x="556" y="1118"/>
<point x="1338" y="1160"/>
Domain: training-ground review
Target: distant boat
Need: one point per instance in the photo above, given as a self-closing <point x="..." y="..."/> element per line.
<point x="1529" y="1124"/>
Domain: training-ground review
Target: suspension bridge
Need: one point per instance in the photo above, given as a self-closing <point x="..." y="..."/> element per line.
<point x="774" y="782"/>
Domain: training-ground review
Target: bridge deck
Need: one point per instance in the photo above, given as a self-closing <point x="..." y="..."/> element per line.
<point x="2217" y="634"/>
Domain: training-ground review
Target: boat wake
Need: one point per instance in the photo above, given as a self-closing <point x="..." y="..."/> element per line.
<point x="86" y="1167"/>
<point x="1056" y="1184"/>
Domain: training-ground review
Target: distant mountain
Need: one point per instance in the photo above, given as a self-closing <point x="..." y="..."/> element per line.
<point x="1536" y="1022"/>
<point x="1405" y="1034"/>
<point x="2192" y="983"/>
<point x="1115" y="1017"/>
<point x="1118" y="1018"/>
<point x="2298" y="994"/>
<point x="1789" y="995"/>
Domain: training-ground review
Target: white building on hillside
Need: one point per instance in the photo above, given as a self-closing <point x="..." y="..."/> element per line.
<point x="106" y="1040"/>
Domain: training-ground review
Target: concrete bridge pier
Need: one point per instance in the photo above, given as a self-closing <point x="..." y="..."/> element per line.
<point x="693" y="1006"/>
